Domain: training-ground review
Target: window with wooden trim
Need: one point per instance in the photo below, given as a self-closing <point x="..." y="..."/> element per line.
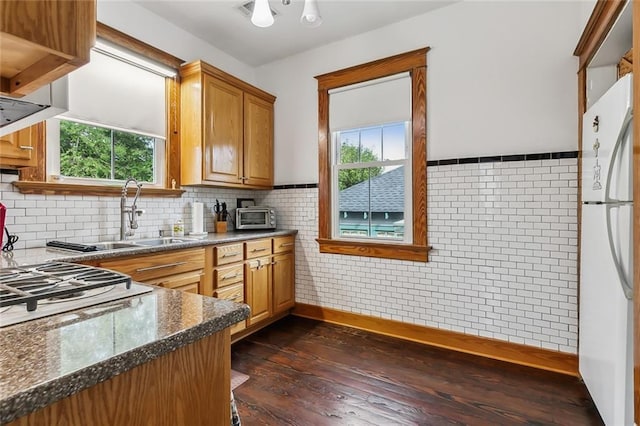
<point x="372" y="159"/>
<point x="153" y="141"/>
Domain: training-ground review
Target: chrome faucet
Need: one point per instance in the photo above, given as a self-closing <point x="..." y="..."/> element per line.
<point x="128" y="214"/>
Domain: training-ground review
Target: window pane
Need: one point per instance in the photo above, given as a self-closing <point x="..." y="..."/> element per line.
<point x="393" y="142"/>
<point x="85" y="150"/>
<point x="371" y="203"/>
<point x="349" y="144"/>
<point x="371" y="144"/>
<point x="133" y="156"/>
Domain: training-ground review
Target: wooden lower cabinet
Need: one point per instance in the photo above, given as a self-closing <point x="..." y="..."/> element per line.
<point x="191" y="282"/>
<point x="177" y="269"/>
<point x="234" y="293"/>
<point x="188" y="386"/>
<point x="283" y="282"/>
<point x="258" y="289"/>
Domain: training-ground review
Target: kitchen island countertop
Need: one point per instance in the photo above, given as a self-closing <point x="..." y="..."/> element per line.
<point x="45" y="360"/>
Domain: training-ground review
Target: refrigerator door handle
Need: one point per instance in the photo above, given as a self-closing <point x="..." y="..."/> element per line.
<point x="627" y="290"/>
<point x="620" y="141"/>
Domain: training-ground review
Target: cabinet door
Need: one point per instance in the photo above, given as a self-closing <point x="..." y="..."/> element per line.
<point x="18" y="149"/>
<point x="258" y="141"/>
<point x="222" y="132"/>
<point x="283" y="282"/>
<point x="258" y="289"/>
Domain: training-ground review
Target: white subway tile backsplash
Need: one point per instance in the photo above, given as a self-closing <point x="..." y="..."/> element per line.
<point x="503" y="263"/>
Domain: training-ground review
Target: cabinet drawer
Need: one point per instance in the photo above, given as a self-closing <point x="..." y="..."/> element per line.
<point x="149" y="267"/>
<point x="283" y="244"/>
<point x="228" y="275"/>
<point x="188" y="281"/>
<point x="257" y="248"/>
<point x="234" y="293"/>
<point x="230" y="253"/>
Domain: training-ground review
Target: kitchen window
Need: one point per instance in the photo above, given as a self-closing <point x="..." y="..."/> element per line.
<point x="371" y="179"/>
<point x="372" y="159"/>
<point x="116" y="124"/>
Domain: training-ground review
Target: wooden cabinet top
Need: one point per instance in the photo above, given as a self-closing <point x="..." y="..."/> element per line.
<point x="197" y="67"/>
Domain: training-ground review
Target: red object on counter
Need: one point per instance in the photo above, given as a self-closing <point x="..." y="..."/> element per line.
<point x="3" y="213"/>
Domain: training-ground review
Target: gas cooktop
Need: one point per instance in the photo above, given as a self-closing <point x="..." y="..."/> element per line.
<point x="36" y="291"/>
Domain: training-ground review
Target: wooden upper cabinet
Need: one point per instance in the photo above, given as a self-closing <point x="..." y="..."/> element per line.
<point x="226" y="130"/>
<point x="43" y="40"/>
<point x="21" y="148"/>
<point x="258" y="141"/>
<point x="222" y="142"/>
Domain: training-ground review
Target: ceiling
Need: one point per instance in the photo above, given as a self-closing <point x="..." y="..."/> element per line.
<point x="221" y="24"/>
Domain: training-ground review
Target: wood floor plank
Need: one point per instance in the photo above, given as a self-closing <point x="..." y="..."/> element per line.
<point x="304" y="372"/>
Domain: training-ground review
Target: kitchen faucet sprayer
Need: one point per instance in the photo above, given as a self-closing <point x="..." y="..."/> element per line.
<point x="129" y="213"/>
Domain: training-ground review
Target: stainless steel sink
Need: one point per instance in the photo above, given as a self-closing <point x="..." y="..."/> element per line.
<point x="162" y="241"/>
<point x="114" y="245"/>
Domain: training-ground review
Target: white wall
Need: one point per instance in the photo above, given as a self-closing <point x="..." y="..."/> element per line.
<point x="501" y="80"/>
<point x="138" y="22"/>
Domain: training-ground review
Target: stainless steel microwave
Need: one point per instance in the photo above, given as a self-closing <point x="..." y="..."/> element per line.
<point x="255" y="218"/>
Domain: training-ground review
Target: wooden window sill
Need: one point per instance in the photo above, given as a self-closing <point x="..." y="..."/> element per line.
<point x="380" y="250"/>
<point x="54" y="188"/>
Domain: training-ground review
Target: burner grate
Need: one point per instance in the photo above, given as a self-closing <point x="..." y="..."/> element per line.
<point x="52" y="280"/>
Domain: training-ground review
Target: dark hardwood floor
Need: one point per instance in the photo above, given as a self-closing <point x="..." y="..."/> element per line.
<point x="304" y="372"/>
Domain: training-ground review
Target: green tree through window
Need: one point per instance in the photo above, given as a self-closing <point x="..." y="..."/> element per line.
<point x="353" y="154"/>
<point x="89" y="151"/>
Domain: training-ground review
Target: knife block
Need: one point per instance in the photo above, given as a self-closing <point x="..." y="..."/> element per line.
<point x="221" y="227"/>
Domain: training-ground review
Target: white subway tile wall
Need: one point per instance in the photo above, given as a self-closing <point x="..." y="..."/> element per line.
<point x="503" y="264"/>
<point x="37" y="219"/>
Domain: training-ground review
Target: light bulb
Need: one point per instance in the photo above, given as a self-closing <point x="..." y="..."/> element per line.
<point x="311" y="14"/>
<point x="261" y="16"/>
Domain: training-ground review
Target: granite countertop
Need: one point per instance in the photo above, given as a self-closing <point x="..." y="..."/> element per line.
<point x="48" y="359"/>
<point x="45" y="254"/>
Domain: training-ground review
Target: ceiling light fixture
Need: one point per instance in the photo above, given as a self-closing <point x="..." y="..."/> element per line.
<point x="262" y="16"/>
<point x="311" y="14"/>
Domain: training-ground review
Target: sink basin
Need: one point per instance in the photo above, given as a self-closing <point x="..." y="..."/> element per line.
<point x="114" y="245"/>
<point x="162" y="241"/>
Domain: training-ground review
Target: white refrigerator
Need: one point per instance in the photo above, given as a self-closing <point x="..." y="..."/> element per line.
<point x="606" y="264"/>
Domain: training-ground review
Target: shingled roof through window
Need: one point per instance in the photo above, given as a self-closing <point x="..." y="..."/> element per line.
<point x="387" y="194"/>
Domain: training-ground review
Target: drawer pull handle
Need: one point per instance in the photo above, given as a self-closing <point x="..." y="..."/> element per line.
<point x="229" y="276"/>
<point x="231" y="254"/>
<point x="168" y="265"/>
<point x="26" y="147"/>
<point x="286" y="244"/>
<point x="258" y="249"/>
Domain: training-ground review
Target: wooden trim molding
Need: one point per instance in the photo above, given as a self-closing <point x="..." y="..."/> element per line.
<point x="414" y="62"/>
<point x="124" y="40"/>
<point x="600" y="22"/>
<point x="376" y="69"/>
<point x="380" y="250"/>
<point x="54" y="188"/>
<point x="559" y="362"/>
